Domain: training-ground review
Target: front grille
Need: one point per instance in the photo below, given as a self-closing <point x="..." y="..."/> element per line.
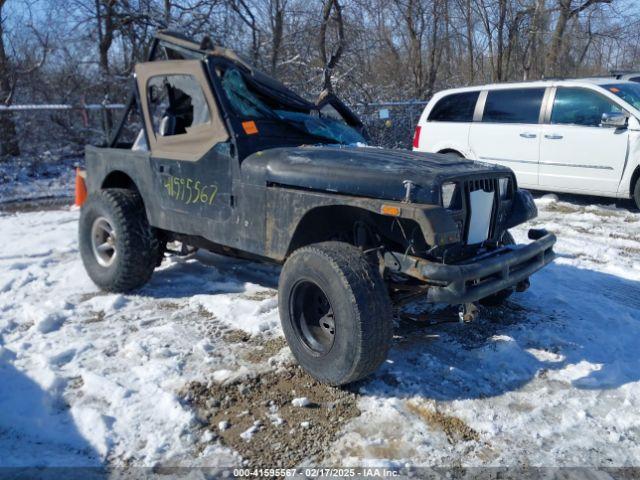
<point x="486" y="184"/>
<point x="458" y="201"/>
<point x="489" y="185"/>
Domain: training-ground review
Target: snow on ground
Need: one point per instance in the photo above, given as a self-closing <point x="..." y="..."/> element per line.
<point x="553" y="378"/>
<point x="94" y="376"/>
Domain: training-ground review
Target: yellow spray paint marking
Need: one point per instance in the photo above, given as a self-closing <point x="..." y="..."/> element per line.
<point x="190" y="191"/>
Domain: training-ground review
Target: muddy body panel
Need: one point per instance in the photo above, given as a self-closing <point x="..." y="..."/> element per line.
<point x="230" y="159"/>
<point x="367" y="172"/>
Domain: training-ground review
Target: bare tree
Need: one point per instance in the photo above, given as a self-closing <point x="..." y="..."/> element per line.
<point x="8" y="137"/>
<point x="248" y="17"/>
<point x="365" y="50"/>
<point x="331" y="11"/>
<point x="567" y="10"/>
<point x="276" y="17"/>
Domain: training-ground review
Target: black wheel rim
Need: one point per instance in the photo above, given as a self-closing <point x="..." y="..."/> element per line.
<point x="313" y="318"/>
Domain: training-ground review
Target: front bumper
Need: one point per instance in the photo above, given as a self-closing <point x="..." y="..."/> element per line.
<point x="480" y="277"/>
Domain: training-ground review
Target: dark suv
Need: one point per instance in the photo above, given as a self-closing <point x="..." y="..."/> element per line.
<point x="230" y="160"/>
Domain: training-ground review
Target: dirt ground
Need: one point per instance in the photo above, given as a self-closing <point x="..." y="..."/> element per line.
<point x="281" y="432"/>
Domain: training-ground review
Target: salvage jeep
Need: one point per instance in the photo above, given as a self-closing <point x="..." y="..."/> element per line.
<point x="230" y="160"/>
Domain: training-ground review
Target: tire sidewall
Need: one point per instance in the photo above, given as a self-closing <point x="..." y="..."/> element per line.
<point x="341" y="358"/>
<point x="96" y="207"/>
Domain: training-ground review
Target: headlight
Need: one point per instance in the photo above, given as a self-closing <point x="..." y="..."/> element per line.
<point x="449" y="195"/>
<point x="504" y="188"/>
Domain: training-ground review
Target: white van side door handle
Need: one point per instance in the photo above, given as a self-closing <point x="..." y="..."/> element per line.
<point x="528" y="135"/>
<point x="553" y="136"/>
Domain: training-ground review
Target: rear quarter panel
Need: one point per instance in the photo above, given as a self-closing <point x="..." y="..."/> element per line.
<point x="101" y="162"/>
<point x="438" y="136"/>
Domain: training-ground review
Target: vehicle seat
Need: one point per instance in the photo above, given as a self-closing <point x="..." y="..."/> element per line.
<point x="167" y="125"/>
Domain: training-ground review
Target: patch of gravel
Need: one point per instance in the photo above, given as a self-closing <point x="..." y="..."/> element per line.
<point x="264" y="349"/>
<point x="454" y="428"/>
<point x="233" y="335"/>
<point x="261" y="295"/>
<point x="261" y="423"/>
<point x="255" y="348"/>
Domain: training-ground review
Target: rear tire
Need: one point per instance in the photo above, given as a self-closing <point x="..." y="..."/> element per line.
<point x="500" y="297"/>
<point x="118" y="247"/>
<point x="335" y="312"/>
<point x="636" y="194"/>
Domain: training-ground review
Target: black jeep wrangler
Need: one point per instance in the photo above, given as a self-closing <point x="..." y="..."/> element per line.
<point x="232" y="161"/>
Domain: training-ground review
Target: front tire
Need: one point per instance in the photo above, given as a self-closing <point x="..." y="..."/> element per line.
<point x="118" y="247"/>
<point x="636" y="194"/>
<point x="335" y="312"/>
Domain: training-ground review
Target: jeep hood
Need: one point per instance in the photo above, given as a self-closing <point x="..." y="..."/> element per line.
<point x="365" y="171"/>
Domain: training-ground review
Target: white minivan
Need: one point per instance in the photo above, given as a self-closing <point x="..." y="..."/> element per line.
<point x="577" y="136"/>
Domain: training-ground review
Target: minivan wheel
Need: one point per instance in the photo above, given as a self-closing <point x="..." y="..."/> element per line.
<point x="335" y="312"/>
<point x="118" y="247"/>
<point x="452" y="154"/>
<point x="498" y="298"/>
<point x="636" y="193"/>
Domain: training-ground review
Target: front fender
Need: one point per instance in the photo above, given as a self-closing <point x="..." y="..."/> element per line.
<point x="523" y="209"/>
<point x="287" y="208"/>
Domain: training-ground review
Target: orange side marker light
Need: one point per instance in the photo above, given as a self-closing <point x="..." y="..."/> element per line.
<point x="81" y="187"/>
<point x="390" y="210"/>
<point x="250" y="127"/>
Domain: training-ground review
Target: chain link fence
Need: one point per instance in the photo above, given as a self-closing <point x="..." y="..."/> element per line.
<point x="391" y="124"/>
<point x="54" y="127"/>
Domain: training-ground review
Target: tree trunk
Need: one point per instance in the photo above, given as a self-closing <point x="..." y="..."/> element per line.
<point x="330" y="61"/>
<point x="532" y="67"/>
<point x="470" y="34"/>
<point x="566" y="13"/>
<point x="435" y="53"/>
<point x="167" y="13"/>
<point x="485" y="19"/>
<point x="106" y="29"/>
<point x="502" y="16"/>
<point x="8" y="136"/>
<point x="278" y="7"/>
<point x="247" y="16"/>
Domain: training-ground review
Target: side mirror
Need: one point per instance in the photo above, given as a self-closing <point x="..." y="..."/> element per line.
<point x="615" y="120"/>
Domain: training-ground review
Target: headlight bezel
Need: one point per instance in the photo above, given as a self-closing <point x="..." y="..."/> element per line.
<point x="449" y="196"/>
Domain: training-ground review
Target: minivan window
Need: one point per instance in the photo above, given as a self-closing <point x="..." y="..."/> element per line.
<point x="457" y="107"/>
<point x="629" y="92"/>
<point x="579" y="106"/>
<point x="513" y="105"/>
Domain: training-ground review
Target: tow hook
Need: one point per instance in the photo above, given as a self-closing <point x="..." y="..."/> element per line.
<point x="467" y="312"/>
